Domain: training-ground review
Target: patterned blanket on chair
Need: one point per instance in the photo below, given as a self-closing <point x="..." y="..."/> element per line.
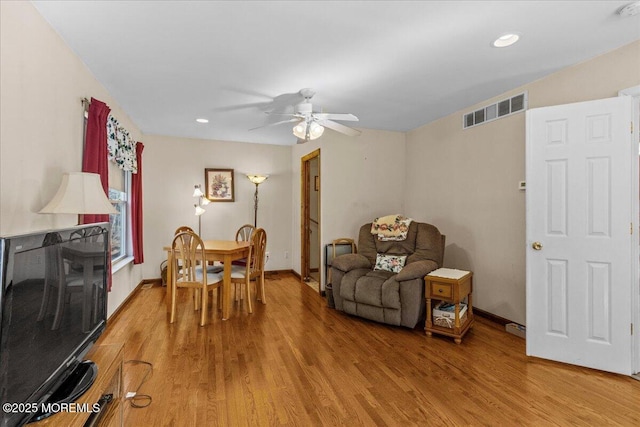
<point x="391" y="227"/>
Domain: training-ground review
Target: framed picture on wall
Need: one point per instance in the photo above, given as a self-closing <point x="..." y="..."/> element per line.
<point x="219" y="185"/>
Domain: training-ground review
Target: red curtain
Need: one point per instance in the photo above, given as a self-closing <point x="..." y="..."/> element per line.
<point x="136" y="208"/>
<point x="95" y="151"/>
<point x="95" y="160"/>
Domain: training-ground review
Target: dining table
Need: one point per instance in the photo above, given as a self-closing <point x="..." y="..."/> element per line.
<point x="225" y="251"/>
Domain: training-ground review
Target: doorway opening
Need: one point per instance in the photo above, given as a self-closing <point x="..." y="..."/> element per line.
<point x="310" y="221"/>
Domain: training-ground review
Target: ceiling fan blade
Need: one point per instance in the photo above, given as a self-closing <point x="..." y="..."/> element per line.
<point x="336" y="116"/>
<point x="300" y="116"/>
<point x="260" y="105"/>
<point x="277" y="123"/>
<point x="282" y="102"/>
<point x="339" y="127"/>
<point x="279" y="103"/>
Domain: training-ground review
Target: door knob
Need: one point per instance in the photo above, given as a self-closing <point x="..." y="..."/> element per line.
<point x="536" y="245"/>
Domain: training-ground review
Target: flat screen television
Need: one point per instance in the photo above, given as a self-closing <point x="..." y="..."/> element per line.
<point x="53" y="307"/>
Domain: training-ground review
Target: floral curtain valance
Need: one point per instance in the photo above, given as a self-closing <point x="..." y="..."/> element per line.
<point x="121" y="146"/>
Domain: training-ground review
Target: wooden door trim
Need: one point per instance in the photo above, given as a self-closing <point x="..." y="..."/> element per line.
<point x="305" y="182"/>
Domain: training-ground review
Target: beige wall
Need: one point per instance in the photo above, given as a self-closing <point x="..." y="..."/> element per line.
<point x="172" y="166"/>
<point x="465" y="181"/>
<point x="41" y="123"/>
<point x="361" y="178"/>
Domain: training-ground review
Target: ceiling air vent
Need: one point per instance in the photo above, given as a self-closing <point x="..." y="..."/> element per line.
<point x="495" y="111"/>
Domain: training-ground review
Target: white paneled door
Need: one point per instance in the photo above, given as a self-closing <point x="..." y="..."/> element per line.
<point x="580" y="266"/>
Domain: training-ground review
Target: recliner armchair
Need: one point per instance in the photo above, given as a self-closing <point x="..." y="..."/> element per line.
<point x="385" y="296"/>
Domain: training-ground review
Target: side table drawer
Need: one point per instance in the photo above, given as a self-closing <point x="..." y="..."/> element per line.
<point x="439" y="289"/>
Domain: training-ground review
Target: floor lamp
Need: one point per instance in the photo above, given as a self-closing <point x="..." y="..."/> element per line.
<point x="202" y="201"/>
<point x="257" y="180"/>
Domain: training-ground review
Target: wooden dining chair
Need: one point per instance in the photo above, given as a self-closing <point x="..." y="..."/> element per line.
<point x="254" y="269"/>
<point x="187" y="251"/>
<point x="212" y="266"/>
<point x="183" y="228"/>
<point x="244" y="233"/>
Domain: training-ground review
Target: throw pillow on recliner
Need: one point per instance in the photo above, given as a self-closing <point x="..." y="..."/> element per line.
<point x="392" y="263"/>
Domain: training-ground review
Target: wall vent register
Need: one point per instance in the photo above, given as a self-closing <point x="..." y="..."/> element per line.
<point x="495" y="111"/>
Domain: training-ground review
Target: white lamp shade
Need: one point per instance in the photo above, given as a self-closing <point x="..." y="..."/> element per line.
<point x="300" y="130"/>
<point x="197" y="192"/>
<point x="199" y="210"/>
<point x="80" y="193"/>
<point x="309" y="131"/>
<point x="257" y="179"/>
<point x="315" y="130"/>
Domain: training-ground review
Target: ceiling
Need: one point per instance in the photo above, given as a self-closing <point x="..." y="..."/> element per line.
<point x="396" y="65"/>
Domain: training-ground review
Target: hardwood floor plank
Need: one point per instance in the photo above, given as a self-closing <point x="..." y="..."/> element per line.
<point x="295" y="362"/>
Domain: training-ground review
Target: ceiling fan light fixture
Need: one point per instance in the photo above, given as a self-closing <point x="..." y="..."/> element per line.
<point x="308" y="132"/>
<point x="300" y="130"/>
<point x="315" y="130"/>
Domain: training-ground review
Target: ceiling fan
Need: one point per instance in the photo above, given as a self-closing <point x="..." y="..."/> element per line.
<point x="310" y="125"/>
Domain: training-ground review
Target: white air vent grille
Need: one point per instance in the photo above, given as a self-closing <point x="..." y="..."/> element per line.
<point x="495" y="111"/>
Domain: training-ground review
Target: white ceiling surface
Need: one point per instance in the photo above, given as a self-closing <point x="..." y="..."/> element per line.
<point x="396" y="65"/>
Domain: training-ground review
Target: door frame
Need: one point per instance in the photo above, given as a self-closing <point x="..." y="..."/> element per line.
<point x="634" y="92"/>
<point x="305" y="192"/>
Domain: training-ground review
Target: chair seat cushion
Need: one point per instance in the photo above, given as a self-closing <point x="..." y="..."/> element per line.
<point x="77" y="280"/>
<point x="211" y="277"/>
<point x="238" y="272"/>
<point x="214" y="268"/>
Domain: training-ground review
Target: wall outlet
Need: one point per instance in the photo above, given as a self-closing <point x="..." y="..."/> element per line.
<point x="266" y="257"/>
<point x="286" y="255"/>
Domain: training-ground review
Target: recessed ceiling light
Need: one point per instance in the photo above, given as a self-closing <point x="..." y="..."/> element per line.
<point x="506" y="40"/>
<point x="202" y="120"/>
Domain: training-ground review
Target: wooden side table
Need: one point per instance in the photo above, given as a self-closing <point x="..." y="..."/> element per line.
<point x="453" y="286"/>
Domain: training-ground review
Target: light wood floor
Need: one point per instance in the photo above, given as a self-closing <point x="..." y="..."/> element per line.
<point x="296" y="362"/>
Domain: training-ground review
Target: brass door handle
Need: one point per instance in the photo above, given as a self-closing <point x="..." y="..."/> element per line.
<point x="536" y="245"/>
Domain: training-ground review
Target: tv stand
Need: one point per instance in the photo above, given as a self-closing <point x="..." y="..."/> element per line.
<point x="106" y="389"/>
<point x="74" y="386"/>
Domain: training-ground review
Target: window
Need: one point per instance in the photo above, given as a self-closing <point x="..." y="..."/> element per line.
<point x="119" y="191"/>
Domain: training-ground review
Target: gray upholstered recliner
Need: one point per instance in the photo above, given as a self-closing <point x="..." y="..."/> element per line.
<point x="384" y="296"/>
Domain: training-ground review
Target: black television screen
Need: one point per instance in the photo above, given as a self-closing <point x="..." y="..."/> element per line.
<point x="53" y="307"/>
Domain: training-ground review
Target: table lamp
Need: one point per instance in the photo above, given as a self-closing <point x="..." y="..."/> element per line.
<point x="80" y="193"/>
